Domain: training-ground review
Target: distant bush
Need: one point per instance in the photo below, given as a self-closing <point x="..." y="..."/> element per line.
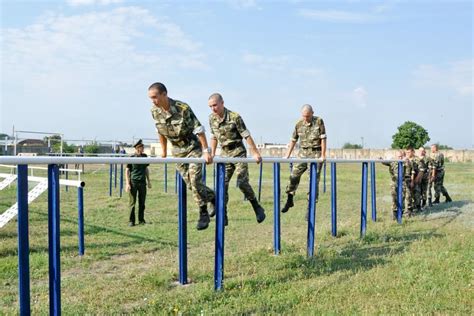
<point x="351" y="146"/>
<point x="91" y="148"/>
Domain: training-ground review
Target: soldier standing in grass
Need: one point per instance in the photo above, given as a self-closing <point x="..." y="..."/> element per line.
<point x="136" y="178"/>
<point x="228" y="129"/>
<point x="437" y="174"/>
<point x="393" y="169"/>
<point x="311" y="133"/>
<point x="411" y="171"/>
<point x="176" y="122"/>
<point x="423" y="176"/>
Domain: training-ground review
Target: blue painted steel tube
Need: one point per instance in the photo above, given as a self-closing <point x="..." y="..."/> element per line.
<point x="373" y="193"/>
<point x="110" y="180"/>
<point x="324" y="179"/>
<point x="276" y="208"/>
<point x="54" y="242"/>
<point x="204" y="173"/>
<point x="23" y="242"/>
<point x="400" y="192"/>
<point x="115" y="176"/>
<point x="165" y="174"/>
<point x="80" y="219"/>
<point x="176" y="180"/>
<point x="313" y="182"/>
<point x="67" y="176"/>
<point x="220" y="213"/>
<point x="260" y="181"/>
<point x="333" y="199"/>
<point x="363" y="200"/>
<point x="121" y="179"/>
<point x="182" y="231"/>
<point x="214" y="175"/>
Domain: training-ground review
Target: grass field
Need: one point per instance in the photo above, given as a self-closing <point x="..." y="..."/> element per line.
<point x="424" y="266"/>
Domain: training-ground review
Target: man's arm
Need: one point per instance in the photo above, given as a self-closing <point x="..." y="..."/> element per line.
<point x="164" y="145"/>
<point x="213" y="147"/>
<point x="323" y="148"/>
<point x="290" y="148"/>
<point x="127" y="180"/>
<point x="147" y="175"/>
<point x="206" y="154"/>
<point x="253" y="149"/>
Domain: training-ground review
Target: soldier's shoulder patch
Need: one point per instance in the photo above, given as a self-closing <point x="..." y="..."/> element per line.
<point x="181" y="105"/>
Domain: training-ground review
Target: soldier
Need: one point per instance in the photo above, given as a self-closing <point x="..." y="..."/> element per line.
<point x="437" y="174"/>
<point x="311" y="132"/>
<point x="411" y="171"/>
<point x="228" y="129"/>
<point x="393" y="169"/>
<point x="421" y="181"/>
<point x="136" y="178"/>
<point x="176" y="122"/>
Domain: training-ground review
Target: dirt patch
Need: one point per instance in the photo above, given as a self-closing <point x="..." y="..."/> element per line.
<point x="461" y="211"/>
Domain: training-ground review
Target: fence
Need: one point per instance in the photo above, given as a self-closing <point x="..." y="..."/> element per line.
<point x="54" y="212"/>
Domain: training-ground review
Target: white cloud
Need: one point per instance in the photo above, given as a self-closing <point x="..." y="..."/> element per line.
<point x="76" y="3"/>
<point x="359" y="95"/>
<point x="339" y="16"/>
<point x="456" y="76"/>
<point x="244" y="4"/>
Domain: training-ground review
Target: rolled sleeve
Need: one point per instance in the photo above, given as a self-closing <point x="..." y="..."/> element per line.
<point x="199" y="130"/>
<point x="241" y="128"/>
<point x="295" y="136"/>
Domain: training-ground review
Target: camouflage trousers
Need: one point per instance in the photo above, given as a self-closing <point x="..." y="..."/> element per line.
<point x="299" y="169"/>
<point x="423" y="187"/>
<point x="192" y="175"/>
<point x="409" y="195"/>
<point x="438" y="184"/>
<point x="394" y="193"/>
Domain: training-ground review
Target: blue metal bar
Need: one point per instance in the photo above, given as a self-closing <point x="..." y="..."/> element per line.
<point x="54" y="241"/>
<point x="67" y="176"/>
<point x="80" y="219"/>
<point x="220" y="229"/>
<point x="400" y="192"/>
<point x="110" y="180"/>
<point x="324" y="178"/>
<point x="166" y="177"/>
<point x="260" y="182"/>
<point x="23" y="241"/>
<point x="182" y="231"/>
<point x="204" y="173"/>
<point x="214" y="175"/>
<point x="276" y="208"/>
<point x="313" y="182"/>
<point x="363" y="200"/>
<point x="373" y="193"/>
<point x="115" y="176"/>
<point x="333" y="199"/>
<point x="121" y="179"/>
<point x="176" y="180"/>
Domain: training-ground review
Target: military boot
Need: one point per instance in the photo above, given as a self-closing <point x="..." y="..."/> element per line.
<point x="289" y="203"/>
<point x="436" y="201"/>
<point x="423" y="203"/>
<point x="212" y="208"/>
<point x="259" y="211"/>
<point x="448" y="198"/>
<point x="204" y="219"/>
<point x="430" y="203"/>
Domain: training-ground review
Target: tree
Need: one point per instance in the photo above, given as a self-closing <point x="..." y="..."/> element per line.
<point x="351" y="146"/>
<point x="410" y="134"/>
<point x="92" y="148"/>
<point x="442" y="147"/>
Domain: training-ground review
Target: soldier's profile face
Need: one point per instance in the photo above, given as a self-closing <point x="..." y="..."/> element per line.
<point x="156" y="97"/>
<point x="217" y="106"/>
<point x="307" y="116"/>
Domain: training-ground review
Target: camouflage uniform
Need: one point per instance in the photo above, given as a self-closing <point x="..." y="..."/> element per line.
<point x="310" y="136"/>
<point x="422" y="178"/>
<point x="437" y="163"/>
<point x="393" y="169"/>
<point x="180" y="126"/>
<point x="230" y="132"/>
<point x="411" y="170"/>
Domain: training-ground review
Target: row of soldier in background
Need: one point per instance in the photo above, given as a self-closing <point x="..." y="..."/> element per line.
<point x="420" y="174"/>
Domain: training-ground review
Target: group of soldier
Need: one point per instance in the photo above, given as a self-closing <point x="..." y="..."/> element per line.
<point x="420" y="174"/>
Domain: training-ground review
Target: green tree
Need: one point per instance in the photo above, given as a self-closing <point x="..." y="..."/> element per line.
<point x="351" y="146"/>
<point x="92" y="148"/>
<point x="410" y="134"/>
<point x="442" y="147"/>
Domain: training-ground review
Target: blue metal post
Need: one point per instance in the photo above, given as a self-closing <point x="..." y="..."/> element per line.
<point x="333" y="199"/>
<point x="182" y="231"/>
<point x="204" y="173"/>
<point x="324" y="177"/>
<point x="373" y="193"/>
<point x="166" y="177"/>
<point x="176" y="179"/>
<point x="276" y="208"/>
<point x="115" y="176"/>
<point x="67" y="176"/>
<point x="80" y="218"/>
<point x="260" y="182"/>
<point x="363" y="200"/>
<point x="400" y="192"/>
<point x="110" y="180"/>
<point x="313" y="182"/>
<point x="220" y="213"/>
<point x="54" y="242"/>
<point x="23" y="242"/>
<point x="214" y="175"/>
<point x="121" y="179"/>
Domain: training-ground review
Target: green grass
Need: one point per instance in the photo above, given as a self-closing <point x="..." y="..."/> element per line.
<point x="424" y="266"/>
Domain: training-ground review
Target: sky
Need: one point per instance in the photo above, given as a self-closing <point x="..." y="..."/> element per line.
<point x="82" y="67"/>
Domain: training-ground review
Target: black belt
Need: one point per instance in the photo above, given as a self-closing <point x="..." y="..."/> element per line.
<point x="312" y="148"/>
<point x="233" y="146"/>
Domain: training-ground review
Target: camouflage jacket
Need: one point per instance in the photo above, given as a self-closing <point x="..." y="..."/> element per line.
<point x="229" y="132"/>
<point x="309" y="134"/>
<point x="411" y="168"/>
<point x="422" y="163"/>
<point x="180" y="126"/>
<point x="393" y="169"/>
<point x="437" y="161"/>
